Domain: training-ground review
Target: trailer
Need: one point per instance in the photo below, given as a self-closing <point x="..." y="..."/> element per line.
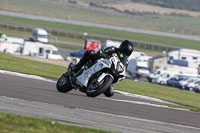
<point x="12" y="45"/>
<point x="41" y="50"/>
<point x="192" y="57"/>
<point x="189" y="71"/>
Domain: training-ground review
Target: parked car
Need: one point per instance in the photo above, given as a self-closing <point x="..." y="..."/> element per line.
<point x="184" y="83"/>
<point x="175" y="81"/>
<point x="152" y="76"/>
<point x="78" y="54"/>
<point x="197" y="87"/>
<point x="163" y="78"/>
<point x="191" y="86"/>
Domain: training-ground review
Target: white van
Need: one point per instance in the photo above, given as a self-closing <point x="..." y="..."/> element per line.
<point x="142" y="65"/>
<point x="41" y="50"/>
<point x="39" y="35"/>
<point x="132" y="65"/>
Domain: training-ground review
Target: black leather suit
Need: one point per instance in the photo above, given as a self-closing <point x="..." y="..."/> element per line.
<point x="93" y="56"/>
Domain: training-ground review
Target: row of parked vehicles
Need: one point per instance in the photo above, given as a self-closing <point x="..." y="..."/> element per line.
<point x="182" y="81"/>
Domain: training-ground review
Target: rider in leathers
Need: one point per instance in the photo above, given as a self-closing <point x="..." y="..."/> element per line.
<point x="125" y="49"/>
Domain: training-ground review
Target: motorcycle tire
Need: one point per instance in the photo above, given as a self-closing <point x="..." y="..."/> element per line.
<point x="63" y="84"/>
<point x="94" y="89"/>
<point x="110" y="91"/>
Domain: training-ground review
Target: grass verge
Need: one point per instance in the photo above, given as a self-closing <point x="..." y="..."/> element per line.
<point x="26" y="35"/>
<point x="11" y="63"/>
<point x="69" y="46"/>
<point x="20" y="124"/>
<point x="61" y="9"/>
<point x="170" y="41"/>
<point x="162" y="92"/>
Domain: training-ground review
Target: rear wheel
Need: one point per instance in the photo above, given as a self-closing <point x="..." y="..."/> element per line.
<point x="63" y="84"/>
<point x="94" y="89"/>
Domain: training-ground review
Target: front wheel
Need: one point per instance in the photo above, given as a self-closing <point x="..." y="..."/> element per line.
<point x="94" y="89"/>
<point x="63" y="84"/>
<point x="110" y="91"/>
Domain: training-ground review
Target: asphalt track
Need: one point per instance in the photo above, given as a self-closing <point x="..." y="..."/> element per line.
<point x="38" y="98"/>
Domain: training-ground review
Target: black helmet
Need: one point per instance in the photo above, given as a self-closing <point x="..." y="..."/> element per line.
<point x="126" y="47"/>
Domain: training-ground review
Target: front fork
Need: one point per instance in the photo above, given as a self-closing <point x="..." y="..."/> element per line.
<point x="71" y="75"/>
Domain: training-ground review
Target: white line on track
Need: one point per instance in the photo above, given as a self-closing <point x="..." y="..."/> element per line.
<point x="144" y="120"/>
<point x="25" y="102"/>
<point x="27" y="76"/>
<point x="109" y="114"/>
<point x="142" y="103"/>
<point x="119" y="92"/>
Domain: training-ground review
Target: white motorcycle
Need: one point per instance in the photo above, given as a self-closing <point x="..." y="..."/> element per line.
<point x="94" y="78"/>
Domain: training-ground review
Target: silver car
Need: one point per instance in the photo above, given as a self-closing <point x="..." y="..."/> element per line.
<point x="197" y="87"/>
<point x="185" y="83"/>
<point x="191" y="86"/>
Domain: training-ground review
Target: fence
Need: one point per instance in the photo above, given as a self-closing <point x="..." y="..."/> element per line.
<point x="63" y="33"/>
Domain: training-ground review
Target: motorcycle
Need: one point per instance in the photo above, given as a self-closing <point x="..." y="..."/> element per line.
<point x="94" y="78"/>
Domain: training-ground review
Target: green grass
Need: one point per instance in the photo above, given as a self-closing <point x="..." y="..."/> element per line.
<point x="161" y="92"/>
<point x="10" y="123"/>
<point x="183" y="25"/>
<point x="11" y="63"/>
<point x="70" y="46"/>
<point x="106" y="32"/>
<point x="26" y="35"/>
<point x="99" y="1"/>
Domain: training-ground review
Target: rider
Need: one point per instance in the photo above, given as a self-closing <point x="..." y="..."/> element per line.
<point x="125" y="49"/>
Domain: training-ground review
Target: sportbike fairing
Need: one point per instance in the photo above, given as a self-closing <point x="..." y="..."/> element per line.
<point x="83" y="79"/>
